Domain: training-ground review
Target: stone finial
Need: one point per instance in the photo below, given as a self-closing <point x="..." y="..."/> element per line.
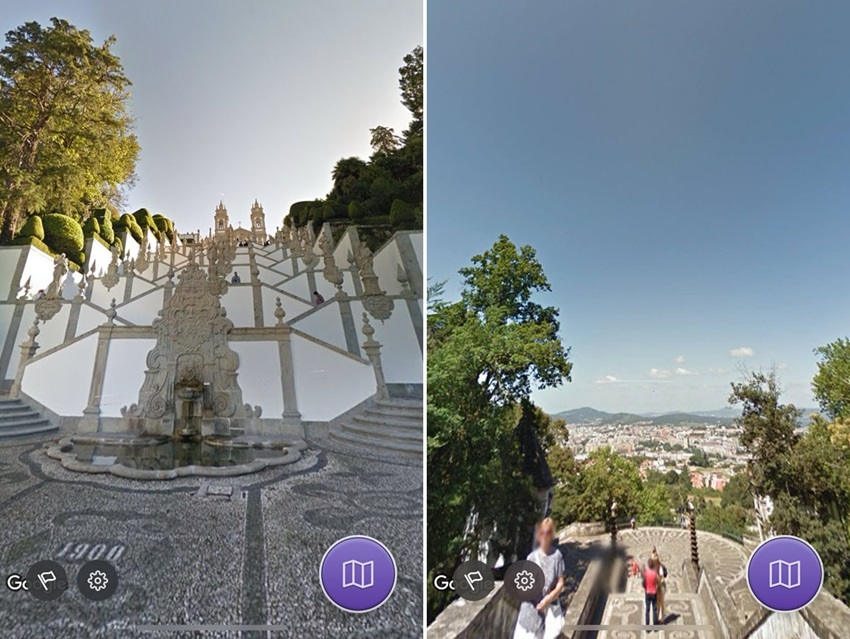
<point x="368" y="330"/>
<point x="351" y="259"/>
<point x="401" y="276"/>
<point x="93" y="270"/>
<point x="81" y="289"/>
<point x="34" y="330"/>
<point x="279" y="313"/>
<point x="111" y="313"/>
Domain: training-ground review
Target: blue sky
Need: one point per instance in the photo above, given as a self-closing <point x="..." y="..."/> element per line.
<point x="247" y="99"/>
<point x="682" y="168"/>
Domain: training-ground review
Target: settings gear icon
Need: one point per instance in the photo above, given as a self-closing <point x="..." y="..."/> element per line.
<point x="524" y="580"/>
<point x="97" y="581"/>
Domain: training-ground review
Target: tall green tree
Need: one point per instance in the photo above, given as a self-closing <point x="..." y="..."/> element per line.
<point x="485" y="358"/>
<point x="66" y="140"/>
<point x="768" y="431"/>
<point x="383" y="140"/>
<point x="831" y="384"/>
<point x="412" y="84"/>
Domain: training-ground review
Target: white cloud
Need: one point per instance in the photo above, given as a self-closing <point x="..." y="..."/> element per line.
<point x="608" y="379"/>
<point x="680" y="359"/>
<point x="781" y="366"/>
<point x="658" y="373"/>
<point x="718" y="371"/>
<point x="685" y="371"/>
<point x="742" y="351"/>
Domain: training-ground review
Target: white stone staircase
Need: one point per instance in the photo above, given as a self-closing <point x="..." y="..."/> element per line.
<point x="17" y="419"/>
<point x="393" y="425"/>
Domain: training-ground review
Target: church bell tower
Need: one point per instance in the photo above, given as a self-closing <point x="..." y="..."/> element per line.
<point x="222" y="222"/>
<point x="258" y="223"/>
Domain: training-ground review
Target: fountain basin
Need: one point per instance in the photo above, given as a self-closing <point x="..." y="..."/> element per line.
<point x="159" y="457"/>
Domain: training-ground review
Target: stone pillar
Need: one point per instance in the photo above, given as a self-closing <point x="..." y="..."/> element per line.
<point x="311" y="282"/>
<point x="28" y="351"/>
<point x="348" y="326"/>
<point x="168" y="288"/>
<point x="692" y="511"/>
<point x="76" y="307"/>
<point x="129" y="275"/>
<point x="11" y="336"/>
<point x="90" y="422"/>
<point x="355" y="274"/>
<point x="257" y="293"/>
<point x="373" y="352"/>
<point x="291" y="416"/>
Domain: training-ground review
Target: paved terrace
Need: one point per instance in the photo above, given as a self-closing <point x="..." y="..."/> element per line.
<point x="247" y="556"/>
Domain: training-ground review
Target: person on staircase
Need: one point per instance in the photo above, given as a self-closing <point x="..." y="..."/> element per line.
<point x="318" y="299"/>
<point x="662" y="583"/>
<point x="235" y="279"/>
<point x="543" y="618"/>
<point x="650" y="589"/>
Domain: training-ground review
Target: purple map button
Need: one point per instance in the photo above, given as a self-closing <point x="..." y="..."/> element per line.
<point x="785" y="573"/>
<point x="358" y="573"/>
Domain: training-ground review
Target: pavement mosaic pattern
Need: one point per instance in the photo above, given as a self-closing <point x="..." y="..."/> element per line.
<point x="229" y="551"/>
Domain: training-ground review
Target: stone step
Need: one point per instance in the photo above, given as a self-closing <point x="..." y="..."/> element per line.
<point x="34" y="420"/>
<point x="382" y="431"/>
<point x="410" y="448"/>
<point x="380" y="419"/>
<point x="18" y="414"/>
<point x="21" y="430"/>
<point x="409" y="406"/>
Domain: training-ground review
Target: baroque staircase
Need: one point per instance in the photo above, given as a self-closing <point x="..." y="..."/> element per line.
<point x="391" y="425"/>
<point x="17" y="419"/>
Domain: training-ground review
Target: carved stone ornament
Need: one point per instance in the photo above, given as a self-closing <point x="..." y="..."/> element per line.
<point x="192" y="333"/>
<point x="379" y="306"/>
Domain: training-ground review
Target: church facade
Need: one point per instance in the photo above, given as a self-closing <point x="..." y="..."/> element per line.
<point x="256" y="233"/>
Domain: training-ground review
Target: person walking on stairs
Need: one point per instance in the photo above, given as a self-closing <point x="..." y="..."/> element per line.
<point x="543" y="618"/>
<point x="662" y="584"/>
<point x="650" y="589"/>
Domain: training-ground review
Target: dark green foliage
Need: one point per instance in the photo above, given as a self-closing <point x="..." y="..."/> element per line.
<point x="32" y="228"/>
<point x="146" y="222"/>
<point x="63" y="234"/>
<point x="91" y="227"/>
<point x="165" y="226"/>
<point x="402" y="215"/>
<point x="117" y="242"/>
<point x="104" y="220"/>
<point x="356" y="211"/>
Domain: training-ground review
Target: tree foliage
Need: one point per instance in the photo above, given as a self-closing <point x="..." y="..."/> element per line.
<point x="831" y="384"/>
<point x="486" y="441"/>
<point x="66" y="141"/>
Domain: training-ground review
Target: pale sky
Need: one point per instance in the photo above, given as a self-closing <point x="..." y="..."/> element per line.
<point x="238" y="100"/>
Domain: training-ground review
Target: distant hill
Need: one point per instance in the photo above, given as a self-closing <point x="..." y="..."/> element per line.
<point x="587" y="414"/>
<point x="720" y="416"/>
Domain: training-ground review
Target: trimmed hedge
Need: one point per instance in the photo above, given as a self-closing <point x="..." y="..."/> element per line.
<point x="128" y="223"/>
<point x="91" y="227"/>
<point x="104" y="219"/>
<point x="165" y="226"/>
<point x="32" y="228"/>
<point x="117" y="242"/>
<point x="401" y="214"/>
<point x="146" y="222"/>
<point x="63" y="234"/>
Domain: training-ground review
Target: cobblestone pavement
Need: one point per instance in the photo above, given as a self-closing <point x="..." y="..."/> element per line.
<point x="250" y="558"/>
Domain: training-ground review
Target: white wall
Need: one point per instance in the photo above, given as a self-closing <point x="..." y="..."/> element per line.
<point x="98" y="255"/>
<point x="291" y="306"/>
<point x="61" y="382"/>
<point x="125" y="372"/>
<point x="259" y="376"/>
<point x="325" y="324"/>
<point x="327" y="383"/>
<point x="9" y="256"/>
<point x="386" y="263"/>
<point x="239" y="302"/>
<point x="400" y="354"/>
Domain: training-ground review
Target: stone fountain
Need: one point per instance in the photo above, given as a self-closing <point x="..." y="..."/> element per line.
<point x="190" y="418"/>
<point x="191" y="388"/>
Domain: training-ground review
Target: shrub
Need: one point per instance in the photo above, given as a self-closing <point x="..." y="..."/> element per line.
<point x="104" y="219"/>
<point x="164" y="226"/>
<point x="356" y="211"/>
<point x="328" y="213"/>
<point x="78" y="258"/>
<point x="146" y="222"/>
<point x="91" y="227"/>
<point x="117" y="242"/>
<point x="32" y="228"/>
<point x="401" y="214"/>
<point x="128" y="223"/>
<point x="63" y="234"/>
